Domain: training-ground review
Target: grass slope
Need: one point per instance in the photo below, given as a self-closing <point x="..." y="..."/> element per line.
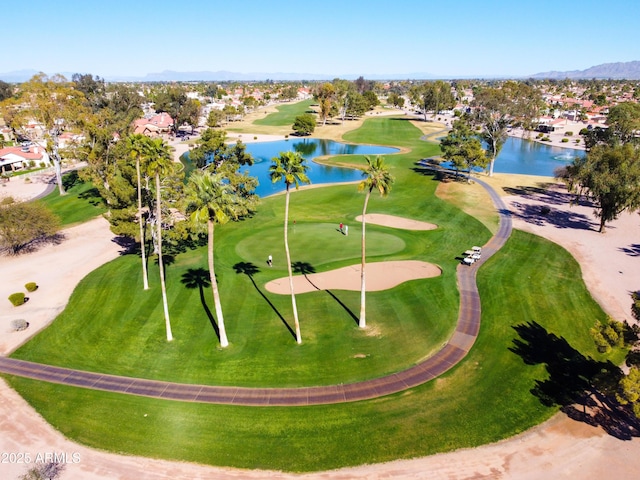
<point x="82" y="201"/>
<point x="286" y="114"/>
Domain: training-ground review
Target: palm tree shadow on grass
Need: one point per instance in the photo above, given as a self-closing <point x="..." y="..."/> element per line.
<point x="305" y="268"/>
<point x="199" y="278"/>
<point x="583" y="387"/>
<point x="249" y="269"/>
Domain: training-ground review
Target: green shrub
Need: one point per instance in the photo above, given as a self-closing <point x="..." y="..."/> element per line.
<point x="7" y="201"/>
<point x="17" y="299"/>
<point x="577" y="140"/>
<point x="635" y="306"/>
<point x="610" y="334"/>
<point x="568" y="134"/>
<point x="540" y="135"/>
<point x="31" y="286"/>
<point x="545" y="139"/>
<point x="564" y="140"/>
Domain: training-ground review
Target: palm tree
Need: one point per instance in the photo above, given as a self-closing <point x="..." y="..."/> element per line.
<point x="138" y="146"/>
<point x="159" y="163"/>
<point x="377" y="178"/>
<point x="211" y="201"/>
<point x="290" y="168"/>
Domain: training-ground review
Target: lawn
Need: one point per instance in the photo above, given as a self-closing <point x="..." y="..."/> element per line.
<point x="123" y="332"/>
<point x="285" y="115"/>
<point x="82" y="201"/>
<point x="485" y="398"/>
<point x="111" y="325"/>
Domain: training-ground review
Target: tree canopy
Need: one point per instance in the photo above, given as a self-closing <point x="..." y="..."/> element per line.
<point x="304" y="124"/>
<point x="433" y="97"/>
<point x="6" y="91"/>
<point x="610" y="175"/>
<point x="624" y="121"/>
<point x="462" y="147"/>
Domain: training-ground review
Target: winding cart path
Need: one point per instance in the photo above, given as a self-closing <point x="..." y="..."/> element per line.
<point x="452" y="352"/>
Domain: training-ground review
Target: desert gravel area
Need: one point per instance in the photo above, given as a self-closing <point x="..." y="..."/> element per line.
<point x="561" y="448"/>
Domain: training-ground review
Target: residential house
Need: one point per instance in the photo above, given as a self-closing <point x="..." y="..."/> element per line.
<point x="16" y="158"/>
<point x="155" y="125"/>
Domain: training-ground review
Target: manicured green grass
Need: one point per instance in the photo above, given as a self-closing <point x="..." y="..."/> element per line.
<point x="120" y="329"/>
<point x="286" y="114"/>
<point x="81" y="202"/>
<point x="485" y="398"/>
<point x="112" y="325"/>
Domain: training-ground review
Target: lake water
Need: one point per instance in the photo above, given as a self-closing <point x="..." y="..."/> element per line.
<point x="532" y="158"/>
<point x="517" y="156"/>
<point x="309" y="148"/>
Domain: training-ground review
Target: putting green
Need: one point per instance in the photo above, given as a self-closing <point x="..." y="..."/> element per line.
<point x="316" y="245"/>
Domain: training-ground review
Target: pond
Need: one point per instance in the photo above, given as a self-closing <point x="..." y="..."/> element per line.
<point x="533" y="158"/>
<point x="309" y="148"/>
<point x="517" y="156"/>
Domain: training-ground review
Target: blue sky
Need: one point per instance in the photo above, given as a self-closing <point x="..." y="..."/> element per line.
<point x="334" y="37"/>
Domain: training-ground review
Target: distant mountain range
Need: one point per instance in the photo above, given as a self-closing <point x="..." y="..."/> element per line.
<point x="620" y="70"/>
<point x="219" y="76"/>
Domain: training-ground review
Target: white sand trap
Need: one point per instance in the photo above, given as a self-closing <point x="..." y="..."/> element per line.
<point x="379" y="276"/>
<point x="396" y="222"/>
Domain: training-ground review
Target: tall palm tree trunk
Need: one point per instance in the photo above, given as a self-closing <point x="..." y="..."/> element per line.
<point x="145" y="277"/>
<point x="163" y="286"/>
<point x="57" y="164"/>
<point x="288" y="255"/>
<point x="214" y="287"/>
<point x="362" y="323"/>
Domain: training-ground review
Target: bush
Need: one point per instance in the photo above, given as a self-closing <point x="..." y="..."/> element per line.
<point x="568" y="134"/>
<point x="25" y="222"/>
<point x="635" y="306"/>
<point x="304" y="124"/>
<point x="545" y="139"/>
<point x="611" y="334"/>
<point x="31" y="286"/>
<point x="17" y="299"/>
<point x="577" y="140"/>
<point x="564" y="140"/>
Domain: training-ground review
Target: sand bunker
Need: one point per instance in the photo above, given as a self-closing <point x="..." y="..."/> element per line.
<point x="379" y="276"/>
<point x="396" y="222"/>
